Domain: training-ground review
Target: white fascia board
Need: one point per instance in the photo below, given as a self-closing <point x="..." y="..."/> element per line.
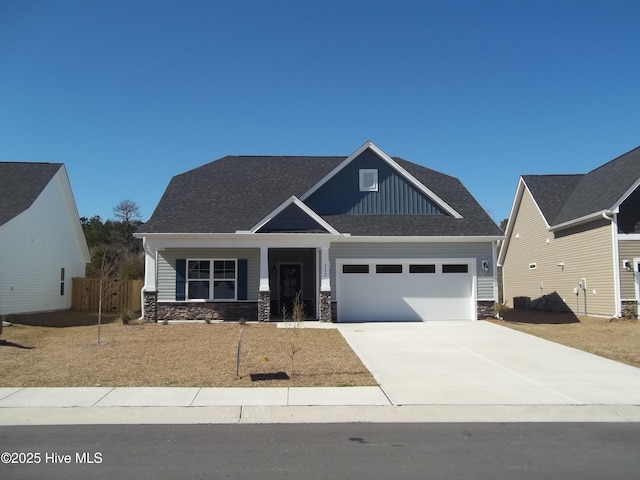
<point x="423" y="239"/>
<point x="72" y="209"/>
<point x="628" y="237"/>
<point x="393" y="164"/>
<point x="296" y="201"/>
<point x="416" y="183"/>
<point x="582" y="220"/>
<point x="515" y="206"/>
<point x="333" y="172"/>
<point x="626" y="194"/>
<point x="535" y="202"/>
<point x="162" y="241"/>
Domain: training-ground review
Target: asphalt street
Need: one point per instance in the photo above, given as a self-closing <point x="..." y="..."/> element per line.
<point x="574" y="451"/>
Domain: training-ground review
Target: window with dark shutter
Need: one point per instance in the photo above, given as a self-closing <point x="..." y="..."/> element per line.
<point x="181" y="280"/>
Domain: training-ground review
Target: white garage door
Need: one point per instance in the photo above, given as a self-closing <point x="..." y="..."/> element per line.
<point x="395" y="290"/>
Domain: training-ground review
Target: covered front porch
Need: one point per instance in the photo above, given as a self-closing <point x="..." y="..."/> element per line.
<point x="285" y="272"/>
<point x="185" y="279"/>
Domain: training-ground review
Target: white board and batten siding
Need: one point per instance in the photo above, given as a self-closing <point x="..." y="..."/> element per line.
<point x="166" y="267"/>
<point x="35" y="247"/>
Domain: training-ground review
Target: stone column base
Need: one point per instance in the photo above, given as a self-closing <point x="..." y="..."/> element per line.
<point x="325" y="307"/>
<point x="484" y="309"/>
<point x="264" y="306"/>
<point x="150" y="300"/>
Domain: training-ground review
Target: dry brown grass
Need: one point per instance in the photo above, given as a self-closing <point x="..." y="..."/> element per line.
<point x="617" y="340"/>
<point x="173" y="355"/>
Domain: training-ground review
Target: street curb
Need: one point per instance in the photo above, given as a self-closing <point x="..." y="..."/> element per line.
<point x="320" y="414"/>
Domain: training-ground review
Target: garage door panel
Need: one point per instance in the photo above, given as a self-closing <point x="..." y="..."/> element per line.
<point x="405" y="296"/>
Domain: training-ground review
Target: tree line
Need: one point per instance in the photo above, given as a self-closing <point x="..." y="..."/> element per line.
<point x="111" y="243"/>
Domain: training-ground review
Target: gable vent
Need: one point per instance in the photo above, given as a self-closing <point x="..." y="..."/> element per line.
<point x="368" y="180"/>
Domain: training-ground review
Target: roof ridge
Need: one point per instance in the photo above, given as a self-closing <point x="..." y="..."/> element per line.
<point x="284" y="156"/>
<point x="553" y="175"/>
<point x="23" y="162"/>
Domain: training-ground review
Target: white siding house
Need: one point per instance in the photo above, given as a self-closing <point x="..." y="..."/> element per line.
<point x="42" y="246"/>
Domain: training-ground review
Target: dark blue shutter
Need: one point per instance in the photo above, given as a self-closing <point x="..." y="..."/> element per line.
<point x="181" y="282"/>
<point x="242" y="279"/>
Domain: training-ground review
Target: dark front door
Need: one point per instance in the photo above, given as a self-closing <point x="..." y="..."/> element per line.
<point x="290" y="285"/>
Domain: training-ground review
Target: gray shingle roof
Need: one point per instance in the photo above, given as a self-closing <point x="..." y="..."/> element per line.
<point x="551" y="191"/>
<point x="601" y="188"/>
<point x="20" y="184"/>
<point x="563" y="198"/>
<point x="236" y="192"/>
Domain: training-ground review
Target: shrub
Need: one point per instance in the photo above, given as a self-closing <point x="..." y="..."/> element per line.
<point x="126" y="316"/>
<point x="499" y="309"/>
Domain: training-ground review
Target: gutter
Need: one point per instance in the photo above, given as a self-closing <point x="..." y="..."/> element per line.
<point x="606" y="214"/>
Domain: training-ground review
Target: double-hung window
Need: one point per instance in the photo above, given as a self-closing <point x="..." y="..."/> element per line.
<point x="211" y="279"/>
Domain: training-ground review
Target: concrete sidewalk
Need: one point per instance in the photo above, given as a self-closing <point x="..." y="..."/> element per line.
<point x="47" y="397"/>
<point x="176" y="405"/>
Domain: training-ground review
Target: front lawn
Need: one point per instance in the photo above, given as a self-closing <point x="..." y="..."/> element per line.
<point x="198" y="354"/>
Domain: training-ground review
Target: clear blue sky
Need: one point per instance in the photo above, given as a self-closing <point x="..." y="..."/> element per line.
<point x="129" y="93"/>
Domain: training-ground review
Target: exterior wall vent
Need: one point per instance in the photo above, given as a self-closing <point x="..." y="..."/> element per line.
<point x="368" y="180"/>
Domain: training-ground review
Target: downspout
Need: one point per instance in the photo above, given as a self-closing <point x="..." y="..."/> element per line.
<point x="613" y="218"/>
<point x="496" y="281"/>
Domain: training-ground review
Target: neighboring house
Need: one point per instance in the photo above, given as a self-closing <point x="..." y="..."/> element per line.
<point x="42" y="246"/>
<point x="363" y="238"/>
<point x="573" y="241"/>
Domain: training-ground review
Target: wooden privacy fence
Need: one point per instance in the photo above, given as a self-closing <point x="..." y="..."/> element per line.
<point x="117" y="296"/>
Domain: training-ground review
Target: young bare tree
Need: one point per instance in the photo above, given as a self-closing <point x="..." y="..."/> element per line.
<point x="295" y="330"/>
<point x="107" y="274"/>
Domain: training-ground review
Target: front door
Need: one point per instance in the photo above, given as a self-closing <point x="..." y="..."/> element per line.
<point x="290" y="284"/>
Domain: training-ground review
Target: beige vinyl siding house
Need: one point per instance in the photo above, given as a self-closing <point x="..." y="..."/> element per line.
<point x="568" y="237"/>
<point x="629" y="276"/>
<point x="525" y="253"/>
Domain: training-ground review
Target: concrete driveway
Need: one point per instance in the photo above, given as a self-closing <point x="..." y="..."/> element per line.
<point x="480" y="363"/>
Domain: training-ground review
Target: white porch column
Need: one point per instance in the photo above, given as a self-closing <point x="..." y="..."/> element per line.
<point x="150" y="274"/>
<point x="264" y="270"/>
<point x="325" y="273"/>
<point x="149" y="291"/>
